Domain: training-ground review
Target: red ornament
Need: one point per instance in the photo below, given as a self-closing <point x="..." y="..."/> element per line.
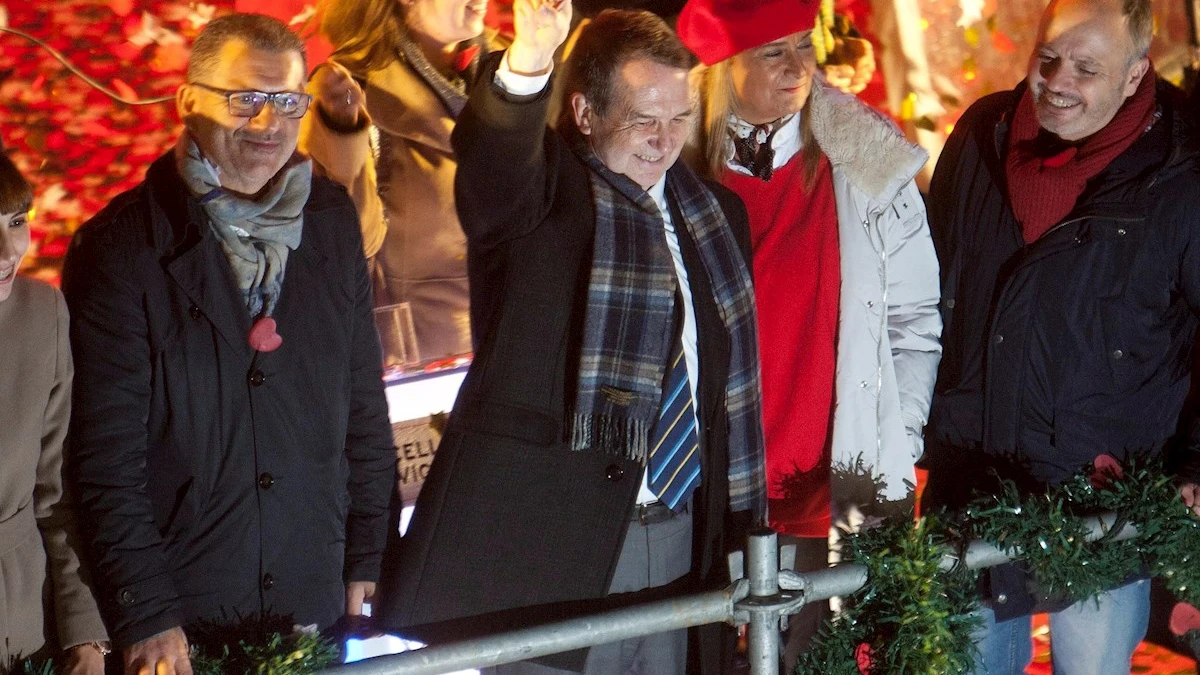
<point x="1105" y="467"/>
<point x="862" y="656"/>
<point x="263" y="336"/>
<point x="1184" y="618"/>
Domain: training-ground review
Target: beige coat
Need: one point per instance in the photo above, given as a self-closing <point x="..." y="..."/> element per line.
<point x="37" y="530"/>
<point x="410" y="225"/>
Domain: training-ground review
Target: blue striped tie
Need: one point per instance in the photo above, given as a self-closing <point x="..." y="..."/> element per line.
<point x="674" y="463"/>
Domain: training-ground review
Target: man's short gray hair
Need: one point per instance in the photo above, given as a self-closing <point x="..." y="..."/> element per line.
<point x="1139" y="16"/>
<point x="256" y="30"/>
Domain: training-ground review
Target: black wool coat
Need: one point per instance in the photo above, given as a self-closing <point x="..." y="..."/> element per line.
<point x="214" y="480"/>
<point x="1074" y="345"/>
<point x="509" y="516"/>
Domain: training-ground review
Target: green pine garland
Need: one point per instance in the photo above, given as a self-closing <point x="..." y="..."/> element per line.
<point x="246" y="646"/>
<point x="913" y="618"/>
<point x="259" y="646"/>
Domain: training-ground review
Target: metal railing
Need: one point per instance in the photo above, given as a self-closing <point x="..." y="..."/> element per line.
<point x="760" y="601"/>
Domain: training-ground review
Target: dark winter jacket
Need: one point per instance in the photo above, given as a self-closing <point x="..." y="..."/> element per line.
<point x="217" y="480"/>
<point x="1079" y="343"/>
<point x="509" y="516"/>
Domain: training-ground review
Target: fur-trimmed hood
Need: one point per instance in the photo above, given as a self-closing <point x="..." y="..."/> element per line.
<point x="863" y="143"/>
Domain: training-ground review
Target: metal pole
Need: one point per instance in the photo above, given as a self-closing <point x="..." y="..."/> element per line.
<point x="762" y="636"/>
<point x="563" y="636"/>
<point x="760" y="599"/>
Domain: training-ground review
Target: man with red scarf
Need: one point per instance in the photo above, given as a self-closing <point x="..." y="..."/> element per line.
<point x="1066" y="215"/>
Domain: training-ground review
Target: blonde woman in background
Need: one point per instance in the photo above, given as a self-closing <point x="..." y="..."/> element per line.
<point x="385" y="105"/>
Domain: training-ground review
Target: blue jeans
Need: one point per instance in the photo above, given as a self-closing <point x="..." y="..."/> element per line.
<point x="1085" y="639"/>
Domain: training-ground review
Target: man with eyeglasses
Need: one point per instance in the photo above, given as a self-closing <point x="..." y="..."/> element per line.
<point x="230" y="433"/>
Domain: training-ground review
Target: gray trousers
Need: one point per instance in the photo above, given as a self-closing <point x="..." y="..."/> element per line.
<point x="651" y="556"/>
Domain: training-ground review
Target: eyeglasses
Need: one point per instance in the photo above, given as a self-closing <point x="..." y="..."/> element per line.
<point x="288" y="104"/>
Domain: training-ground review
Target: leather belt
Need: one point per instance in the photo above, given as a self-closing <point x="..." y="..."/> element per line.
<point x="652" y="513"/>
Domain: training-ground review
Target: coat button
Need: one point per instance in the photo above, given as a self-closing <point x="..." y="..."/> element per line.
<point x="999" y="339"/>
<point x="127" y="597"/>
<point x="614" y="472"/>
<point x="950" y="303"/>
<point x="1002" y="598"/>
<point x="194" y="312"/>
<point x="257" y="378"/>
<point x="1121" y="231"/>
<point x="1118" y="354"/>
<point x="268" y="581"/>
<point x="265" y="481"/>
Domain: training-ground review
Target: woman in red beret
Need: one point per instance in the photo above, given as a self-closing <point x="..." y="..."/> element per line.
<point x="846" y="278"/>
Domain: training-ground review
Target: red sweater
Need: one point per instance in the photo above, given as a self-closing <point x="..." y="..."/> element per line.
<point x="797" y="279"/>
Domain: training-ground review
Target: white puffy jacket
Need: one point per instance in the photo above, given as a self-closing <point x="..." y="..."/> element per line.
<point x="889" y="326"/>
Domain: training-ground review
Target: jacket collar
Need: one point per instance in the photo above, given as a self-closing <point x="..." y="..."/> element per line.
<point x="192" y="256"/>
<point x="401" y="104"/>
<point x="863" y="144"/>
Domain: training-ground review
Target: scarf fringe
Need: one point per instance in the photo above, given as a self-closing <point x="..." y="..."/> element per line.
<point x="619" y="436"/>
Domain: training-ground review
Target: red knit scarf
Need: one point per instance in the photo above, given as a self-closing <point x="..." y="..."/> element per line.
<point x="1043" y="184"/>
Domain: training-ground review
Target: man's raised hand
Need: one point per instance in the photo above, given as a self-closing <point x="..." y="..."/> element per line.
<point x="540" y="26"/>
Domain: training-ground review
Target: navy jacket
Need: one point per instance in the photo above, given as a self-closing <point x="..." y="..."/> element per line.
<point x="215" y="480"/>
<point x="1079" y="343"/>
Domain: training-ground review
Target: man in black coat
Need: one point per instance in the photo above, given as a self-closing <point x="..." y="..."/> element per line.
<point x="1066" y="215"/>
<point x="594" y="256"/>
<point x="233" y="449"/>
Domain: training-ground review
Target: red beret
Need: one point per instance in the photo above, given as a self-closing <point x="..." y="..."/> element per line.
<point x="717" y="29"/>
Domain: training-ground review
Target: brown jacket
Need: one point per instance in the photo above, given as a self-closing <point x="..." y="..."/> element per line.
<point x="37" y="529"/>
<point x="409" y="221"/>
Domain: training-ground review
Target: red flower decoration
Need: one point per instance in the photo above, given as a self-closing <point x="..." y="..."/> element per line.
<point x="1104" y="468"/>
<point x="1184" y="618"/>
<point x="862" y="656"/>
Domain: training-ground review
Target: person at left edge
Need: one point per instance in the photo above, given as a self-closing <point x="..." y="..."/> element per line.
<point x="606" y="273"/>
<point x="218" y="477"/>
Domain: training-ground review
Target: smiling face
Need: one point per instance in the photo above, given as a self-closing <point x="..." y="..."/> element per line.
<point x="1083" y="68"/>
<point x="248" y="150"/>
<point x="643" y="130"/>
<point x="444" y="22"/>
<point x="773" y="80"/>
<point x="14" y="242"/>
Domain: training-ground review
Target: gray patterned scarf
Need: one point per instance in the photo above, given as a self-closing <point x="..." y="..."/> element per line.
<point x="255" y="234"/>
<point x="628" y="319"/>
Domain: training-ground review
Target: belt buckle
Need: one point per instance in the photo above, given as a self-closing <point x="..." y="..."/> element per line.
<point x="654" y="513"/>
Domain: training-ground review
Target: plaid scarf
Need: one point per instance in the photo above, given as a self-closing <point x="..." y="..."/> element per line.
<point x="627" y="328"/>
